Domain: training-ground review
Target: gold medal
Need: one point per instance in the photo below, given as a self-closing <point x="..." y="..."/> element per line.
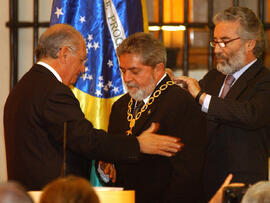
<point x="131" y="125"/>
<point x="129" y="132"/>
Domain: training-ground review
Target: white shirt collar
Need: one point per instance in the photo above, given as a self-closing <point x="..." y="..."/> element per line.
<point x="237" y="74"/>
<point x="50" y="69"/>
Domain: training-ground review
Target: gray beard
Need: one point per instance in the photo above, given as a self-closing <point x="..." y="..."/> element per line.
<point x="233" y="64"/>
<point x="143" y="93"/>
<point x="139" y="95"/>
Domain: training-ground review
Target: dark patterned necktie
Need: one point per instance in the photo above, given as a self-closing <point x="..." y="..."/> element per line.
<point x="228" y="83"/>
<point x="139" y="105"/>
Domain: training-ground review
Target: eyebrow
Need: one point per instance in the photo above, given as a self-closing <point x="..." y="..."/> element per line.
<point x="222" y="38"/>
<point x="131" y="68"/>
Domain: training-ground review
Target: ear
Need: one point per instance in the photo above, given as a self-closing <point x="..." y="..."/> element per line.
<point x="63" y="54"/>
<point x="159" y="68"/>
<point x="250" y="45"/>
<point x="159" y="71"/>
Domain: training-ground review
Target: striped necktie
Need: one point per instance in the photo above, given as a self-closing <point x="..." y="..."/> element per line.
<point x="228" y="82"/>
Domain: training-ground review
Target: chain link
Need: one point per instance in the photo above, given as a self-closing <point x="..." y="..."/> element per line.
<point x="156" y="94"/>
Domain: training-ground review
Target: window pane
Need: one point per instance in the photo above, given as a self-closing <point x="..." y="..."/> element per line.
<point x="198" y="52"/>
<point x="174" y="42"/>
<point x="45" y="8"/>
<point x="173" y="12"/>
<point x="22" y="7"/>
<point x="152" y="7"/>
<point x="199" y="11"/>
<point x="25" y="51"/>
<point x="220" y="5"/>
<point x="252" y="4"/>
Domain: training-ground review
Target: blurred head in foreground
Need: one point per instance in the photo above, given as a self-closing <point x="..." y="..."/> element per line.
<point x="71" y="189"/>
<point x="11" y="192"/>
<point x="258" y="193"/>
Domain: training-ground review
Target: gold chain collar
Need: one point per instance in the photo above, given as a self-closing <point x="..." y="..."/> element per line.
<point x="156" y="94"/>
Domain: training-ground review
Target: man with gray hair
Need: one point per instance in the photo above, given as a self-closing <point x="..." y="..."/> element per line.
<point x="258" y="193"/>
<point x="13" y="192"/>
<point x="235" y="98"/>
<point x="41" y="107"/>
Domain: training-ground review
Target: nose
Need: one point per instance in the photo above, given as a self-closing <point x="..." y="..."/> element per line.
<point x="217" y="49"/>
<point x="127" y="76"/>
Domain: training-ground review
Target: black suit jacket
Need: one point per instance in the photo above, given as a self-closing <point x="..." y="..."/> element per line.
<point x="238" y="127"/>
<point x="34" y="116"/>
<point x="155" y="178"/>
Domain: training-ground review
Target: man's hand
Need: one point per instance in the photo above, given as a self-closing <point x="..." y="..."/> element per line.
<point x="193" y="87"/>
<point x="108" y="169"/>
<point x="217" y="198"/>
<point x="152" y="143"/>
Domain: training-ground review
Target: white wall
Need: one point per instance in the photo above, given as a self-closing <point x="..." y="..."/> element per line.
<point x="4" y="78"/>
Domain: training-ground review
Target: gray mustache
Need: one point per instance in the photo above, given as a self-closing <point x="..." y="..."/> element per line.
<point x="129" y="85"/>
<point x="220" y="56"/>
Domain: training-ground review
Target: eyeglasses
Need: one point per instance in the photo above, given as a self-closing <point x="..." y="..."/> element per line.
<point x="222" y="44"/>
<point x="83" y="60"/>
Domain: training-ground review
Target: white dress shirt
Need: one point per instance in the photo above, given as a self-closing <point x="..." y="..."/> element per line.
<point x="50" y="69"/>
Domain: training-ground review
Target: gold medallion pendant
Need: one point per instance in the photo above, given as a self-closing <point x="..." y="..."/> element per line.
<point x="131" y="125"/>
<point x="132" y="120"/>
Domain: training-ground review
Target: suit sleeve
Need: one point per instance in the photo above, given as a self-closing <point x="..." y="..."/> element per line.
<point x="187" y="122"/>
<point x="113" y="127"/>
<point x="249" y="110"/>
<point x="82" y="138"/>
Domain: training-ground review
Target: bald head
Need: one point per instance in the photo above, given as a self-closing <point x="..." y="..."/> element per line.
<point x="258" y="193"/>
<point x="13" y="192"/>
<point x="54" y="38"/>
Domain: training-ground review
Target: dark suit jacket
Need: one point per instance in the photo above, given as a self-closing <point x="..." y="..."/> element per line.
<point x="238" y="127"/>
<point x="34" y="116"/>
<point x="155" y="178"/>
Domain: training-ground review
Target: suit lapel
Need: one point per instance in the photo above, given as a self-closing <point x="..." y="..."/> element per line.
<point x="213" y="87"/>
<point x="242" y="83"/>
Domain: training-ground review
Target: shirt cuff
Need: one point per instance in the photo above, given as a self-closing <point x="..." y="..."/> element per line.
<point x="206" y="102"/>
<point x="103" y="176"/>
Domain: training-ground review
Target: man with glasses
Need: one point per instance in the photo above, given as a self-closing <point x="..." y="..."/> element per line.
<point x="236" y="99"/>
<point x="41" y="108"/>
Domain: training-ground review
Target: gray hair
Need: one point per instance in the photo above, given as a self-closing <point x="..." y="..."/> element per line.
<point x="54" y="38"/>
<point x="11" y="192"/>
<point x="151" y="51"/>
<point x="258" y="193"/>
<point x="250" y="25"/>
